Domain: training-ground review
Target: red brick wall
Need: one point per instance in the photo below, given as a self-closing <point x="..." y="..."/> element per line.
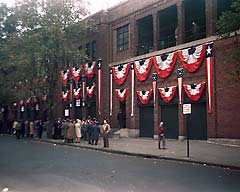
<point x="227" y="90"/>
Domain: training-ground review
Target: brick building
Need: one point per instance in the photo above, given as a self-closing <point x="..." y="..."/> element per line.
<point x="140" y="30"/>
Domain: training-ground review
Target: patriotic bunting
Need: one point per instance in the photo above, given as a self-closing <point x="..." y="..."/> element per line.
<point x="90" y="90"/>
<point x="144" y="96"/>
<point x="209" y="62"/>
<point x="167" y="93"/>
<point x="99" y="85"/>
<point x="65" y="96"/>
<point x="192" y="57"/>
<point x="180" y="77"/>
<point x="194" y="91"/>
<point x="142" y="68"/>
<point x="111" y="89"/>
<point x="154" y="85"/>
<point x="76" y="73"/>
<point x="164" y="64"/>
<point x="120" y="73"/>
<point x="64" y="76"/>
<point x="83" y="90"/>
<point x="121" y="94"/>
<point x="89" y="69"/>
<point x="132" y="87"/>
<point x="77" y="93"/>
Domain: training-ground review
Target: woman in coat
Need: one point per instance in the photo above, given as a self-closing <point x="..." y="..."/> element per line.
<point x="78" y="126"/>
<point x="71" y="132"/>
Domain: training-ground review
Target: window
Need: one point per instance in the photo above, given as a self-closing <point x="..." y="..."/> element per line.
<point x="122" y="38"/>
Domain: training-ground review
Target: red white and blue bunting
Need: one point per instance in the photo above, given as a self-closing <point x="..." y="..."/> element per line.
<point x="99" y="85"/>
<point x="77" y="93"/>
<point x="167" y="93"/>
<point x="164" y="64"/>
<point x="76" y="73"/>
<point x="144" y="96"/>
<point x="89" y="69"/>
<point x="65" y="96"/>
<point x="194" y="91"/>
<point x="83" y="90"/>
<point x="121" y="94"/>
<point x="180" y="84"/>
<point x="209" y="62"/>
<point x="142" y="68"/>
<point x="120" y="73"/>
<point x="111" y="92"/>
<point x="154" y="87"/>
<point x="90" y="90"/>
<point x="64" y="76"/>
<point x="132" y="88"/>
<point x="192" y="58"/>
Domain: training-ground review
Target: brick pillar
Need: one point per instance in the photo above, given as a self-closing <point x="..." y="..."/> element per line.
<point x="181" y="23"/>
<point x="133" y="36"/>
<point x="155" y="30"/>
<point x="211" y="17"/>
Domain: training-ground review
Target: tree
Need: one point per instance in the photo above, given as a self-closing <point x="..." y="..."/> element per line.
<point x="38" y="38"/>
<point x="229" y="22"/>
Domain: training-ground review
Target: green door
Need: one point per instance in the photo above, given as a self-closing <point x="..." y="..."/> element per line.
<point x="170" y="118"/>
<point x="197" y="122"/>
<point x="146" y="122"/>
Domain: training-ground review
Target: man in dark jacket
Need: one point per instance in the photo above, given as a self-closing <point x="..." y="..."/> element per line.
<point x="89" y="131"/>
<point x="95" y="133"/>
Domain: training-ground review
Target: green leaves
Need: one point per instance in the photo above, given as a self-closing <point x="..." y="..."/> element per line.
<point x="36" y="40"/>
<point x="229" y="21"/>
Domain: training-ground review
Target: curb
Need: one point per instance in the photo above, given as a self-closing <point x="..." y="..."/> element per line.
<point x="143" y="155"/>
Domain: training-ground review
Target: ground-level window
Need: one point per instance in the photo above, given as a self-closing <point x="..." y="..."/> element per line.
<point x="122" y="38"/>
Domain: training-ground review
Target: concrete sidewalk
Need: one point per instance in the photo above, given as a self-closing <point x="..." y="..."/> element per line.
<point x="212" y="152"/>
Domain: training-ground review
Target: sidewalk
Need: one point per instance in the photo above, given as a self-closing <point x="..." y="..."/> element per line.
<point x="210" y="152"/>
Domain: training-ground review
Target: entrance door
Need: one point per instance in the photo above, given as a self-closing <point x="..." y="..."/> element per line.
<point x="170" y="118"/>
<point x="92" y="109"/>
<point x="146" y="122"/>
<point x="197" y="122"/>
<point x="78" y="112"/>
<point x="122" y="115"/>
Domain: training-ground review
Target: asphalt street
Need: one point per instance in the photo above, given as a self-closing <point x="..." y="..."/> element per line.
<point x="32" y="166"/>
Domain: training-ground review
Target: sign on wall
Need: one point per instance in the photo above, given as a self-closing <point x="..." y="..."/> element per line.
<point x="187" y="109"/>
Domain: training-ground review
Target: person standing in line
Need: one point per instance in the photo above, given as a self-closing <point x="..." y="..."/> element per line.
<point x="84" y="129"/>
<point x="31" y="129"/>
<point x="95" y="133"/>
<point x="22" y="130"/>
<point x="17" y="127"/>
<point x="26" y="126"/>
<point x="106" y="130"/>
<point x="161" y="136"/>
<point x="65" y="129"/>
<point x="71" y="132"/>
<point x="78" y="126"/>
<point x="89" y="131"/>
<point x="40" y="129"/>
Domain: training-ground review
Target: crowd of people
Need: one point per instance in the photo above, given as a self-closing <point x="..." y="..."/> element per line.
<point x="69" y="131"/>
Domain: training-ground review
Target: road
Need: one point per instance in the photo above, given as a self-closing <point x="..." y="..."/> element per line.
<point x="33" y="166"/>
